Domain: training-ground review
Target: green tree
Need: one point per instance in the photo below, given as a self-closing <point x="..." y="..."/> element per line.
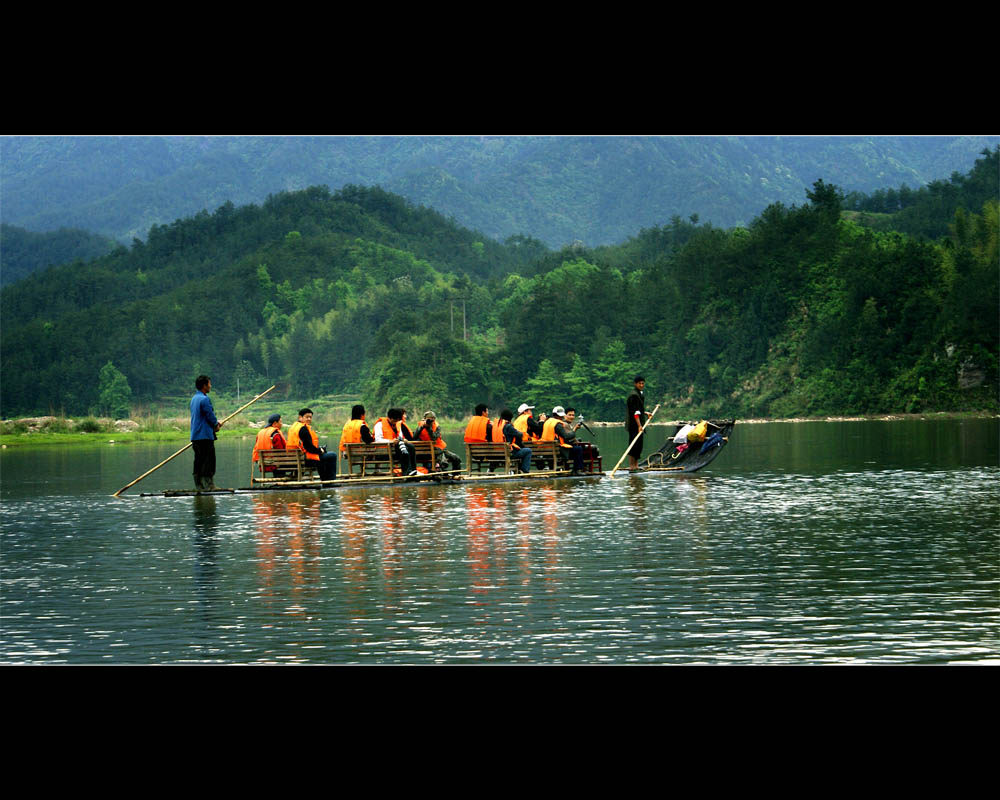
<point x="115" y="395"/>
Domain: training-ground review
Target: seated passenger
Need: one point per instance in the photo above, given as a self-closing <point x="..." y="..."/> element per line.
<point x="389" y="429"/>
<point x="529" y="427"/>
<point x="270" y="438"/>
<point x="480" y="429"/>
<point x="429" y="431"/>
<point x="301" y="436"/>
<point x="556" y="429"/>
<point x="355" y="431"/>
<point x="516" y="439"/>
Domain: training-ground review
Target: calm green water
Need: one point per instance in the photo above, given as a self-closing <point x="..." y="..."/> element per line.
<point x="810" y="543"/>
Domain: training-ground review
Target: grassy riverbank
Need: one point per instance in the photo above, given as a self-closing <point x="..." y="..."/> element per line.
<point x="328" y="421"/>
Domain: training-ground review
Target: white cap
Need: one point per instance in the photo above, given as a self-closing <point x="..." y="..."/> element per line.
<point x="559" y="411"/>
<point x="524" y="407"/>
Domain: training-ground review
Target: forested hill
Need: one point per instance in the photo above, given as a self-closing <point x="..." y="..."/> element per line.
<point x="804" y="311"/>
<point x="24" y="252"/>
<point x="558" y="189"/>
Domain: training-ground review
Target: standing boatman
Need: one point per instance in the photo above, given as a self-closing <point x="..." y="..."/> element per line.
<point x="203" y="435"/>
<point x="635" y="418"/>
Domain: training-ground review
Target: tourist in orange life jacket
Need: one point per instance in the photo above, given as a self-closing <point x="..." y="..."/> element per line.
<point x="269" y="438"/>
<point x="557" y="428"/>
<point x="429" y="431"/>
<point x="390" y="429"/>
<point x="356" y="430"/>
<point x="530" y="428"/>
<point x="516" y="439"/>
<point x="480" y="429"/>
<point x="302" y="436"/>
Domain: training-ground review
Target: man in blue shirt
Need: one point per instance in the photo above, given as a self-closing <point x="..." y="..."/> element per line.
<point x="203" y="427"/>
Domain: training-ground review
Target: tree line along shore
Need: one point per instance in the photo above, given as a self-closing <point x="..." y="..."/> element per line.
<point x="841" y="307"/>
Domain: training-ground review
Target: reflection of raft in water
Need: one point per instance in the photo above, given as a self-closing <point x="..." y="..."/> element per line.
<point x="444" y="479"/>
<point x="377" y="468"/>
<point x="688" y="456"/>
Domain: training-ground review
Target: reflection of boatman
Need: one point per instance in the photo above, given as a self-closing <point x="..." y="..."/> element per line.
<point x="635" y="418"/>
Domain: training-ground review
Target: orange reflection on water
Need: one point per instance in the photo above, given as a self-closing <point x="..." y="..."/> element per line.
<point x="288" y="544"/>
<point x="486" y="514"/>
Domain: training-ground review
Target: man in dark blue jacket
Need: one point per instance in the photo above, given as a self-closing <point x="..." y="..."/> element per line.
<point x="203" y="429"/>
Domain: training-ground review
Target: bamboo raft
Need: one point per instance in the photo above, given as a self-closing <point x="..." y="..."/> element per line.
<point x="460" y="478"/>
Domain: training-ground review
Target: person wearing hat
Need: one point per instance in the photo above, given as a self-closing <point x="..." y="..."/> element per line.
<point x="529" y="427"/>
<point x="429" y="431"/>
<point x="557" y="428"/>
<point x="269" y="438"/>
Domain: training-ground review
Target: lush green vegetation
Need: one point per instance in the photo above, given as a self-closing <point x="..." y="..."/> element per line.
<point x="359" y="293"/>
<point x="25" y="252"/>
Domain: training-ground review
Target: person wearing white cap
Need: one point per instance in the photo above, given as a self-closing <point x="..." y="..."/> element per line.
<point x="530" y="428"/>
<point x="557" y="429"/>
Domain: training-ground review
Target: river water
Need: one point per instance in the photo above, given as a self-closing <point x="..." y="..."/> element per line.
<point x="801" y="544"/>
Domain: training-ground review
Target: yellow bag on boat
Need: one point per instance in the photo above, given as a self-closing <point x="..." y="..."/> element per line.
<point x="699" y="433"/>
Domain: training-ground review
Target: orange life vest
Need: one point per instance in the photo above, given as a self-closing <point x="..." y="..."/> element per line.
<point x="294" y="442"/>
<point x="475" y="431"/>
<point x="387" y="428"/>
<point x="264" y="441"/>
<point x="498" y="430"/>
<point x="426" y="436"/>
<point x="351" y="433"/>
<point x="521" y="423"/>
<point x="549" y="431"/>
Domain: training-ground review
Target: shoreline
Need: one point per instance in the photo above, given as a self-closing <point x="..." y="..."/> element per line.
<point x="70" y="437"/>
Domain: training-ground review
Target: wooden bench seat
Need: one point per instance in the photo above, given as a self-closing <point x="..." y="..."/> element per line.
<point x="289" y="465"/>
<point x="544" y="455"/>
<point x="487" y="454"/>
<point x="380" y="458"/>
<point x="369" y="459"/>
<point x="592" y="457"/>
<point x="549" y="455"/>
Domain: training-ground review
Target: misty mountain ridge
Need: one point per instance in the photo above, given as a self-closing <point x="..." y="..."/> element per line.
<point x="557" y="189"/>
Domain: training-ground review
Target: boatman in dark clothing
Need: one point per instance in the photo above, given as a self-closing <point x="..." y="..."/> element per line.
<point x="203" y="435"/>
<point x="635" y="418"/>
<point x="516" y="440"/>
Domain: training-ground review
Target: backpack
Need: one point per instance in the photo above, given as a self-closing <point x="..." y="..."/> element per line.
<point x="698" y="433"/>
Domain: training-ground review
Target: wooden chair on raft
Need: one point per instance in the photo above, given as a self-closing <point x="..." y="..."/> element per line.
<point x="289" y="465"/>
<point x="379" y="459"/>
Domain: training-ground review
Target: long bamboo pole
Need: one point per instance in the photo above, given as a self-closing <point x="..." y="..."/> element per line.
<point x="185" y="447"/>
<point x="641" y="429"/>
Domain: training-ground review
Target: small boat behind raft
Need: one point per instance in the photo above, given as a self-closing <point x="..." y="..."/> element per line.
<point x="683" y="457"/>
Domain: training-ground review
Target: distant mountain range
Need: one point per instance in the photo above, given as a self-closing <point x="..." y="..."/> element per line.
<point x="557" y="189"/>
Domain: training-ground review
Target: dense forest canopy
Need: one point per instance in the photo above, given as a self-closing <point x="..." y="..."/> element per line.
<point x="558" y="189"/>
<point x="24" y="252"/>
<point x="806" y="310"/>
